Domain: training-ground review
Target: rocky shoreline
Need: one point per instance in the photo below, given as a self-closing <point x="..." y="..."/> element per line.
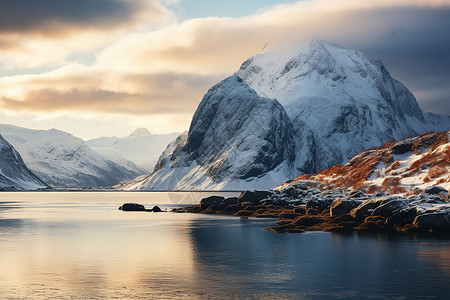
<point x="301" y="208"/>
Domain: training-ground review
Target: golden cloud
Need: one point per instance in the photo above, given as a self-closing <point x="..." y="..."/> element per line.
<point x="168" y="69"/>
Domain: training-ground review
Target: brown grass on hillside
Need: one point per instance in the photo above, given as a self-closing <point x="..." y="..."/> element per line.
<point x="356" y="172"/>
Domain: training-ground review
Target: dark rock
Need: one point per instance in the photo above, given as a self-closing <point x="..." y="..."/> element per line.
<point x="132" y="207"/>
<point x="355" y="194"/>
<point x="288" y="216"/>
<point x="290" y="192"/>
<point x="300" y="210"/>
<point x="232" y="208"/>
<point x="244" y="213"/>
<point x="433" y="221"/>
<point x="365" y="209"/>
<point x="209" y="201"/>
<point x="307" y="221"/>
<point x="312" y="211"/>
<point x="156" y="209"/>
<point x="402" y="147"/>
<point x="228" y="201"/>
<point x="387" y="209"/>
<point x="403" y="216"/>
<point x="254" y="197"/>
<point x="435" y="190"/>
<point x="342" y="207"/>
<point x="319" y="203"/>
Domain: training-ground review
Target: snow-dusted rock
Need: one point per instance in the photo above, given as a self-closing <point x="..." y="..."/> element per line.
<point x="335" y="103"/>
<point x="62" y="160"/>
<point x="235" y="135"/>
<point x="14" y="174"/>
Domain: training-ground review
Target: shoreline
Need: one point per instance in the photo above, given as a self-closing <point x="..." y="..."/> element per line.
<point x="299" y="209"/>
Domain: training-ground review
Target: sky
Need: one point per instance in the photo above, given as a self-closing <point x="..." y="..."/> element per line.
<point x="106" y="67"/>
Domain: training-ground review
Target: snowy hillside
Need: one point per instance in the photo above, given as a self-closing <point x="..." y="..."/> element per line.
<point x="140" y="147"/>
<point x="14" y="174"/>
<point x="324" y="104"/>
<point x="348" y="103"/>
<point x="397" y="167"/>
<point x="62" y="160"/>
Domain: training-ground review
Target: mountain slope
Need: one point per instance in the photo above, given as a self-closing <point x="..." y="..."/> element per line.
<point x="337" y="104"/>
<point x="349" y="103"/>
<point x="218" y="148"/>
<point x="140" y="147"/>
<point x="415" y="162"/>
<point x="62" y="160"/>
<point x="14" y="174"/>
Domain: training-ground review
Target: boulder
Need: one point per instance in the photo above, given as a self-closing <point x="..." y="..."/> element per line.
<point x="229" y="201"/>
<point x="319" y="203"/>
<point x="343" y="206"/>
<point x="210" y="201"/>
<point x="132" y="207"/>
<point x="365" y="209"/>
<point x="389" y="208"/>
<point x="291" y="192"/>
<point x="435" y="190"/>
<point x="355" y="194"/>
<point x="156" y="209"/>
<point x="439" y="220"/>
<point x="253" y="197"/>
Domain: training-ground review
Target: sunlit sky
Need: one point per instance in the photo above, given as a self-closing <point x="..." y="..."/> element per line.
<point x="106" y="67"/>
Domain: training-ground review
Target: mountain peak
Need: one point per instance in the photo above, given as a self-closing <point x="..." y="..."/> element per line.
<point x="141" y="132"/>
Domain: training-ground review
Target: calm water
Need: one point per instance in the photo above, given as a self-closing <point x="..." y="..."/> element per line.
<point x="79" y="246"/>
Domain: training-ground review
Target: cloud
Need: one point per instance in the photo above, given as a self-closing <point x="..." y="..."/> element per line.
<point x="136" y="94"/>
<point x="46" y="33"/>
<point x="53" y="16"/>
<point x="168" y="69"/>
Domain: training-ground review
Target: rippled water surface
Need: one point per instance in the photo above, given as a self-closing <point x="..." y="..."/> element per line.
<point x="79" y="246"/>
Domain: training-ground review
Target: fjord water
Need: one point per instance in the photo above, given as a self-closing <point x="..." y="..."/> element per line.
<point x="63" y="245"/>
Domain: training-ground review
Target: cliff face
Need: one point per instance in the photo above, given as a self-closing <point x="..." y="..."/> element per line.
<point x="14" y="174"/>
<point x="289" y="112"/>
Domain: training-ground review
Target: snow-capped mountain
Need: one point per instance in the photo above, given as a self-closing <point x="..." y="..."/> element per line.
<point x="397" y="167"/>
<point x="311" y="107"/>
<point x="14" y="174"/>
<point x="62" y="160"/>
<point x="141" y="147"/>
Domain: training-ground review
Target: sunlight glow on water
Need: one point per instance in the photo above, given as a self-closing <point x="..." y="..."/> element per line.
<point x="79" y="246"/>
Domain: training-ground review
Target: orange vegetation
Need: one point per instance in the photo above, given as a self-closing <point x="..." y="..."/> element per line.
<point x="357" y="171"/>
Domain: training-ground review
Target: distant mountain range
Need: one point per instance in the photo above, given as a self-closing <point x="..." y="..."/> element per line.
<point x="287" y="112"/>
<point x="140" y="147"/>
<point x="62" y="160"/>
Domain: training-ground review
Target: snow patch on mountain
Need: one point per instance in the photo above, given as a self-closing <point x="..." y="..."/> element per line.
<point x="14" y="174"/>
<point x="62" y="160"/>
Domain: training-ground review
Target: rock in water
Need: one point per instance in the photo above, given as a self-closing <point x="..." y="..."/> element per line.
<point x="156" y="209"/>
<point x="132" y="207"/>
<point x="210" y="201"/>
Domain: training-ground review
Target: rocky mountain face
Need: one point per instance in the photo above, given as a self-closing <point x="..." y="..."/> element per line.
<point x="14" y="174"/>
<point x="62" y="160"/>
<point x="287" y="112"/>
<point x="140" y="147"/>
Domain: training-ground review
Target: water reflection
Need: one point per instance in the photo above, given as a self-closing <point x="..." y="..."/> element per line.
<point x="78" y="245"/>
